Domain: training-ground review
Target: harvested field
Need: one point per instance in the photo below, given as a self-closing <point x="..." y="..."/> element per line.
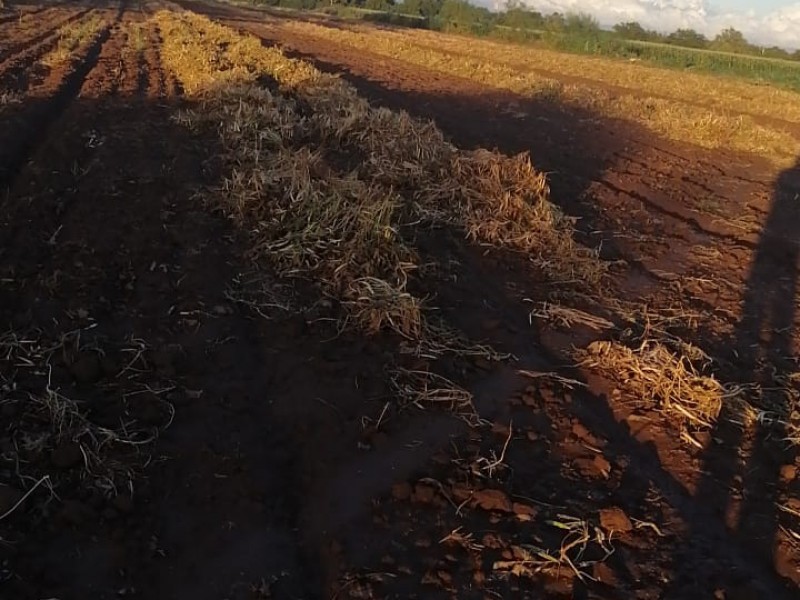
<point x="286" y="312"/>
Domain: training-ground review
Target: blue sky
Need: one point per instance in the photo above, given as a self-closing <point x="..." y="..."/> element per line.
<point x="765" y="22"/>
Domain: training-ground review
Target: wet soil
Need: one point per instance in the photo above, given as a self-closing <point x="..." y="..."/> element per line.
<point x="278" y="470"/>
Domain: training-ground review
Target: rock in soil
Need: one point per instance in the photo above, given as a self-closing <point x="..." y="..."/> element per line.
<point x="615" y="519"/>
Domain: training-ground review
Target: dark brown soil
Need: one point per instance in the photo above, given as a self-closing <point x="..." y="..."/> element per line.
<point x="278" y="471"/>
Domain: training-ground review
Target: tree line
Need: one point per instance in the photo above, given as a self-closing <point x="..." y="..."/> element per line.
<point x="516" y="17"/>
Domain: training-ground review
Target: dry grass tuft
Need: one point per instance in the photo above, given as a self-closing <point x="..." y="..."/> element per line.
<point x="40" y="419"/>
<point x="8" y="99"/>
<point x="424" y="389"/>
<point x="581" y="540"/>
<point x="660" y="379"/>
<point x="563" y="316"/>
<point x="375" y="305"/>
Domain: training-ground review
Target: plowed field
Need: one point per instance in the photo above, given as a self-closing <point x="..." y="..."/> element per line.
<point x="283" y="318"/>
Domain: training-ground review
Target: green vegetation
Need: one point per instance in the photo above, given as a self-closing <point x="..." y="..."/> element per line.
<point x="729" y="53"/>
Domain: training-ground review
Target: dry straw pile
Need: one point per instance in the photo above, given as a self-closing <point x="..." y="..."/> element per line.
<point x="328" y="184"/>
<point x="660" y="379"/>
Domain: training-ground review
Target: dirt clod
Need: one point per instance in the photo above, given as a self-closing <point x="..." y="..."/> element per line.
<point x="788" y="473"/>
<point x="614" y="519"/>
<point x="489" y="499"/>
<point x="604" y="574"/>
<point x="524" y="512"/>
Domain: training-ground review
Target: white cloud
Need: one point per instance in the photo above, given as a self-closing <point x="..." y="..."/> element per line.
<point x="780" y="28"/>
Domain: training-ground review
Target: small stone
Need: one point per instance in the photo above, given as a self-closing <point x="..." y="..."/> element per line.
<point x="602" y="465"/>
<point x="492" y="500"/>
<point x="67" y="455"/>
<point x="615" y="519"/>
<point x="523" y="512"/>
<point x="582" y="433"/>
<point x="604" y="574"/>
<point x="788" y="473"/>
<point x="595" y="467"/>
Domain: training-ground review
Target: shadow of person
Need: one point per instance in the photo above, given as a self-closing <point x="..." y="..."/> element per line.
<point x="742" y="463"/>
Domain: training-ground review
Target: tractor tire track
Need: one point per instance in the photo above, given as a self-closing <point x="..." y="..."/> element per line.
<point x="30" y="127"/>
<point x="22" y="15"/>
<point x="8" y="52"/>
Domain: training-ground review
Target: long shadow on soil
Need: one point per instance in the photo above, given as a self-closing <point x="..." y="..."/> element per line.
<point x="742" y="468"/>
<point x="100" y="234"/>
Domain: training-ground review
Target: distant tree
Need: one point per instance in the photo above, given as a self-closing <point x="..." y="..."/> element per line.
<point x="634" y="31"/>
<point x="518" y="16"/>
<point x="775" y="52"/>
<point x="297" y="4"/>
<point x="731" y="40"/>
<point x="581" y="23"/>
<point x="554" y="22"/>
<point x="378" y="4"/>
<point x="422" y="8"/>
<point x="796" y="55"/>
<point x="630" y="31"/>
<point x="688" y="38"/>
<point x="461" y="11"/>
